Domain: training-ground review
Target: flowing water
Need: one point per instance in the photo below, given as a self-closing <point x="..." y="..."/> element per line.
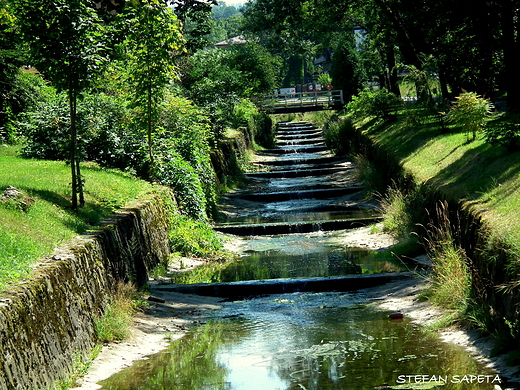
<point x="303" y="340"/>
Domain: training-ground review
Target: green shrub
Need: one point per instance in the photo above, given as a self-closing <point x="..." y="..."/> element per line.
<point x="182" y="148"/>
<point x="178" y="174"/>
<point x="337" y="136"/>
<point x="243" y="113"/>
<point x="505" y="132"/>
<point x="105" y="130"/>
<point x="193" y="238"/>
<point x="470" y="112"/>
<point x="375" y="103"/>
<point x="47" y="129"/>
<point x="264" y="130"/>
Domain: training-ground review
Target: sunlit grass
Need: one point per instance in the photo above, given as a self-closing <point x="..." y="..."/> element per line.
<point x="26" y="236"/>
<point x="484" y="175"/>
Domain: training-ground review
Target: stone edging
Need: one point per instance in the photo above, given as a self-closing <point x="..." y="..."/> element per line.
<point x="47" y="321"/>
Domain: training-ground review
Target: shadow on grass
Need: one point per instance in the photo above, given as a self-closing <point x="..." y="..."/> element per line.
<point x="80" y="220"/>
<point x="478" y="171"/>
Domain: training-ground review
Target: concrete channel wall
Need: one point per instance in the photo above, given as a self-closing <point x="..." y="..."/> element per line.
<point x="47" y="321"/>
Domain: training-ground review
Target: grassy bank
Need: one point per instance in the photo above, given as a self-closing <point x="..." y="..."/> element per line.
<point x="25" y="236"/>
<point x="483" y="175"/>
<point x="460" y="198"/>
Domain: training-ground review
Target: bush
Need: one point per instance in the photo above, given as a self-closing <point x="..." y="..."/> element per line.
<point x="105" y="132"/>
<point x="337" y="136"/>
<point x="21" y="93"/>
<point x="505" y="132"/>
<point x="47" y="129"/>
<point x="178" y="174"/>
<point x="183" y="153"/>
<point x="193" y="238"/>
<point x="375" y="103"/>
<point x="470" y="112"/>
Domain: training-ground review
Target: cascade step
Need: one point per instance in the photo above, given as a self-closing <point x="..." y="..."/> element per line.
<point x="276" y="228"/>
<point x="323" y="193"/>
<point x="280" y="286"/>
<point x="298" y="133"/>
<point x="295" y="149"/>
<point x="302" y="161"/>
<point x="307" y="141"/>
<point x="317" y="171"/>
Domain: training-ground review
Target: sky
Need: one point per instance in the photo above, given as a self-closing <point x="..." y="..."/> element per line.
<point x="234" y="2"/>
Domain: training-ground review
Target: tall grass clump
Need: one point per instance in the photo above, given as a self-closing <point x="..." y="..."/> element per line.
<point x="452" y="280"/>
<point x="114" y="323"/>
<point x="193" y="238"/>
<point x="337" y="136"/>
<point x="397" y="219"/>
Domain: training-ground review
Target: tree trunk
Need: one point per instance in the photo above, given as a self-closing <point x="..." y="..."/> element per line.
<point x="444" y="85"/>
<point x="511" y="48"/>
<point x="73" y="136"/>
<point x="149" y="132"/>
<point x="392" y="71"/>
<point x="80" y="182"/>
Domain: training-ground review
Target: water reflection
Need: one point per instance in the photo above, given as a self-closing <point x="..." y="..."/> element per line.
<point x="300" y="341"/>
<point x="296" y="256"/>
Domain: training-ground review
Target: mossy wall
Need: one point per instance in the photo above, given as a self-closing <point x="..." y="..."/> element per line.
<point x="47" y="321"/>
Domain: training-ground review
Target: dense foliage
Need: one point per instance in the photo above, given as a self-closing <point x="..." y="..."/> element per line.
<point x="111" y="84"/>
<point x="472" y="45"/>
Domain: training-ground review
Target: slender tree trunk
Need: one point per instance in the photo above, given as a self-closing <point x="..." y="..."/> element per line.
<point x="149" y="132"/>
<point x="73" y="136"/>
<point x="442" y="81"/>
<point x="392" y="71"/>
<point x="511" y="47"/>
<point x="80" y="183"/>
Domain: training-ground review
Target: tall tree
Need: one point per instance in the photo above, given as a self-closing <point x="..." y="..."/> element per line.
<point x="509" y="19"/>
<point x="66" y="45"/>
<point x="11" y="59"/>
<point x="154" y="38"/>
<point x="195" y="16"/>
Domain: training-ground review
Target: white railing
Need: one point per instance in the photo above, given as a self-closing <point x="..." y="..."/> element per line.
<point x="306" y="99"/>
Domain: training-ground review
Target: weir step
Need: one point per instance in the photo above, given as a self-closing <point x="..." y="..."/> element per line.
<point x="296" y="149"/>
<point x="304" y="194"/>
<point x="280" y="286"/>
<point x="313" y="135"/>
<point x="302" y="161"/>
<point x="318" y="171"/>
<point x="298" y="141"/>
<point x="274" y="228"/>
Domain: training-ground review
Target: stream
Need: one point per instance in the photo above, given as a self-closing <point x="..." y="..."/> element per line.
<point x="314" y="329"/>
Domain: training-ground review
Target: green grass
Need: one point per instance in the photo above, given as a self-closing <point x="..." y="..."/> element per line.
<point x="484" y="175"/>
<point x="479" y="175"/>
<point x="26" y="236"/>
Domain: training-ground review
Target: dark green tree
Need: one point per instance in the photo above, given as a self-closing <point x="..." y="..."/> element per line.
<point x="11" y="60"/>
<point x="195" y="16"/>
<point x="66" y="44"/>
<point x="154" y="39"/>
<point x="347" y="69"/>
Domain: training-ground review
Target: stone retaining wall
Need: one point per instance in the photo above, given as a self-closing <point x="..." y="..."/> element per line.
<point x="47" y="321"/>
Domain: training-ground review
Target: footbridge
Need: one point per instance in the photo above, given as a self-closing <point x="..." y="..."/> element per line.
<point x="305" y="101"/>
